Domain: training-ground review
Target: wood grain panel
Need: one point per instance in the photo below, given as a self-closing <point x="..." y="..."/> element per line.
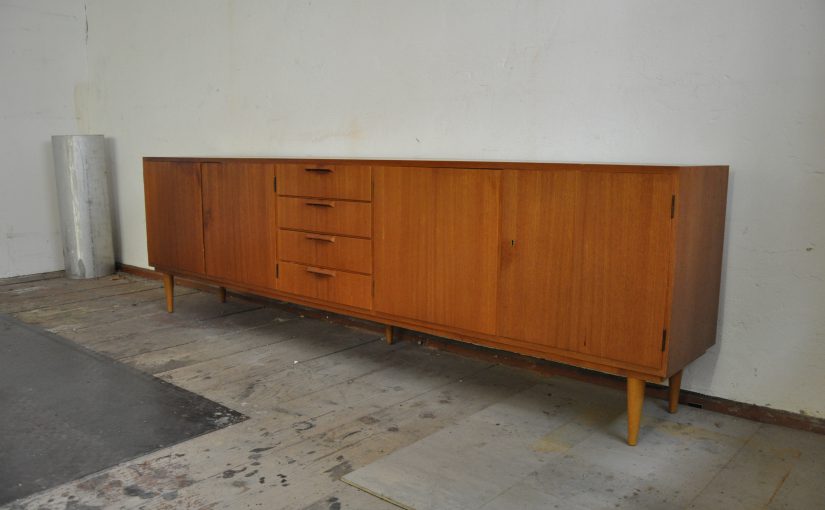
<point x="325" y="181"/>
<point x="324" y="250"/>
<point x="436" y="245"/>
<point x="594" y="294"/>
<point x="326" y="216"/>
<point x="537" y="257"/>
<point x="700" y="238"/>
<point x="422" y="163"/>
<point x="623" y="237"/>
<point x="239" y="222"/>
<point x="335" y="286"/>
<point x="174" y="221"/>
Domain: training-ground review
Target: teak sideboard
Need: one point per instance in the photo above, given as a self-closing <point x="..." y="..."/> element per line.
<point x="609" y="267"/>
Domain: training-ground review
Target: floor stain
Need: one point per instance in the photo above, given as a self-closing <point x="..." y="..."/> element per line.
<point x="137" y="491"/>
<point x="779" y="486"/>
<point x="283" y="480"/>
<point x="348" y="434"/>
<point x="339" y="470"/>
<point x="259" y="450"/>
<point x="76" y="505"/>
<point x="183" y="481"/>
<point x="303" y="425"/>
<point x="248" y="391"/>
<point x="229" y="473"/>
<point x="94" y="483"/>
<point x="690" y="431"/>
<point x="551" y="444"/>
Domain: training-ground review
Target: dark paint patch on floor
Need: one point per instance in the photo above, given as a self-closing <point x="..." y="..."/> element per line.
<point x="66" y="412"/>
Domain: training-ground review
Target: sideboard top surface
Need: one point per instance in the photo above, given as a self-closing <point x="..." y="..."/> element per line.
<point x="492" y="165"/>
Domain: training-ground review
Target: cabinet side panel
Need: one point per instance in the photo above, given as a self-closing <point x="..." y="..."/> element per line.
<point x="700" y="231"/>
<point x="174" y="216"/>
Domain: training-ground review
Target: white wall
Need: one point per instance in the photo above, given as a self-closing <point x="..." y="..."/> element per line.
<point x="731" y="82"/>
<point x="42" y="60"/>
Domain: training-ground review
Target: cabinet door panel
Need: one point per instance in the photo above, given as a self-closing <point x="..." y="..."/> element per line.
<point x="537" y="257"/>
<point x="436" y="245"/>
<point x="174" y="221"/>
<point x="239" y="222"/>
<point x="624" y="237"/>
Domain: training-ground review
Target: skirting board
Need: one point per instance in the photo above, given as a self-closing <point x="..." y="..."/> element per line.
<point x="720" y="405"/>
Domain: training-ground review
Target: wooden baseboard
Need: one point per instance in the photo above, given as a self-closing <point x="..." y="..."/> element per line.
<point x="752" y="412"/>
<point x="689" y="398"/>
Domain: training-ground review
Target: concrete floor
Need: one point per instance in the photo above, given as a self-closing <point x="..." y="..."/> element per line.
<point x="325" y="400"/>
<point x="68" y="412"/>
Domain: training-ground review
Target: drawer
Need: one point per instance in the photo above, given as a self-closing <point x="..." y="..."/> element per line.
<point x="327" y="216"/>
<point x="339" y="252"/>
<point x="335" y="286"/>
<point x="325" y="181"/>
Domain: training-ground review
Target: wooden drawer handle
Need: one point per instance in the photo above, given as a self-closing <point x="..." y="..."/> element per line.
<point x="320" y="203"/>
<point x="320" y="272"/>
<point x="319" y="237"/>
<point x="319" y="170"/>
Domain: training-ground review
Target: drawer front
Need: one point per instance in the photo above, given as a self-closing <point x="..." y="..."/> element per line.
<point x="335" y="286"/>
<point x="346" y="253"/>
<point x="325" y="181"/>
<point x="327" y="216"/>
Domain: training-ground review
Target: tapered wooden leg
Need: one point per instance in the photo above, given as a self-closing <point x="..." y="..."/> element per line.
<point x="635" y="399"/>
<point x="673" y="391"/>
<point x="222" y="294"/>
<point x="169" y="287"/>
<point x="388" y="334"/>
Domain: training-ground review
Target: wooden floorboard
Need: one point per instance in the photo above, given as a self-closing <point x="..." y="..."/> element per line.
<point x="35" y="297"/>
<point x="37" y="277"/>
<point x="314" y="391"/>
<point x="137" y="300"/>
<point x="323" y="400"/>
<point x="191" y="311"/>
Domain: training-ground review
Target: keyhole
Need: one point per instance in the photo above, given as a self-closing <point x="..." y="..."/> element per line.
<point x="512" y="242"/>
